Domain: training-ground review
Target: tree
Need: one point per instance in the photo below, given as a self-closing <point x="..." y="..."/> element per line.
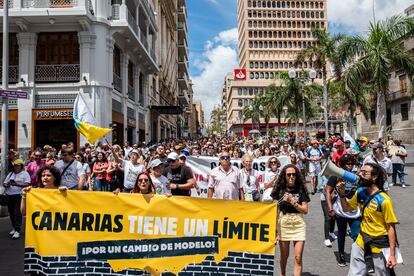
<point x="216" y="119"/>
<point x="372" y="58"/>
<point x="324" y="51"/>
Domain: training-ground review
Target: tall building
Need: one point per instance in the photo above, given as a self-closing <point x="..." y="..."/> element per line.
<point x="200" y="116"/>
<point x="271" y="33"/>
<point x="121" y="56"/>
<point x="400" y="105"/>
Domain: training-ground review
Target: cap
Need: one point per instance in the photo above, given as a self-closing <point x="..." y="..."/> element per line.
<point x="153" y="147"/>
<point x="377" y="146"/>
<point x="155" y="163"/>
<point x="133" y="151"/>
<point x="339" y="142"/>
<point x="363" y="139"/>
<point x="314" y="142"/>
<point x="18" y="162"/>
<point x="172" y="156"/>
<point x="183" y="156"/>
<point x="352" y="151"/>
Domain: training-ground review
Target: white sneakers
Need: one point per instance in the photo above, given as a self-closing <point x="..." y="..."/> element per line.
<point x="15" y="235"/>
<point x="403" y="185"/>
<point x="391" y="184"/>
<point x="328" y="243"/>
<point x="333" y="236"/>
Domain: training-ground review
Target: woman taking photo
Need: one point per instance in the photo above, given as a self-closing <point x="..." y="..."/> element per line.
<point x="14" y="182"/>
<point x="291" y="194"/>
<point x="49" y="178"/>
<point x="100" y="169"/>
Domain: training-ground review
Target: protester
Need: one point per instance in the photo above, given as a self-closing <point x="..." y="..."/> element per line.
<point x="343" y="219"/>
<point x="143" y="185"/>
<point x="180" y="177"/>
<point x="397" y="153"/>
<point x="250" y="179"/>
<point x="270" y="177"/>
<point x="34" y="166"/>
<point x="377" y="226"/>
<point x="340" y="151"/>
<point x="88" y="183"/>
<point x="159" y="181"/>
<point x="291" y="194"/>
<point x="225" y="180"/>
<point x="72" y="171"/>
<point x="314" y="156"/>
<point x="377" y="156"/>
<point x="14" y="182"/>
<point x="100" y="170"/>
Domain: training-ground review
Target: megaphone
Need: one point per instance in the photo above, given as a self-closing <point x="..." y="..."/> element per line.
<point x="330" y="169"/>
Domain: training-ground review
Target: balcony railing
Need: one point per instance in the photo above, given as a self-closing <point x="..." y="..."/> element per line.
<point x="143" y="39"/>
<point x="133" y="23"/>
<point x="131" y="92"/>
<point x="117" y="82"/>
<point x="392" y="96"/>
<point x="154" y="57"/>
<point x="50" y="3"/>
<point x="13" y="73"/>
<point x="115" y="12"/>
<point x="57" y="73"/>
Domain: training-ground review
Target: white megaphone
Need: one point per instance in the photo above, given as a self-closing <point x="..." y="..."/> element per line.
<point x="330" y="169"/>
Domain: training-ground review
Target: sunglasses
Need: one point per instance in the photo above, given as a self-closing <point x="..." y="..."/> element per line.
<point x="143" y="180"/>
<point x="225" y="157"/>
<point x="37" y="155"/>
<point x="291" y="174"/>
<point x="273" y="162"/>
<point x="364" y="172"/>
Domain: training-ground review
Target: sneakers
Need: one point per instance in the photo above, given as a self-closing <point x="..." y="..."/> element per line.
<point x="16" y="235"/>
<point x="341" y="261"/>
<point x="11" y="233"/>
<point x="391" y="184"/>
<point x="333" y="236"/>
<point x="328" y="243"/>
<point x="403" y="185"/>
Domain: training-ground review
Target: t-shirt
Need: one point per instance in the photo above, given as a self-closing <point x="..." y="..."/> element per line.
<point x="350" y="188"/>
<point x="337" y="155"/>
<point x="22" y="178"/>
<point x="249" y="180"/>
<point x="160" y="185"/>
<point x="127" y="151"/>
<point x="394" y="158"/>
<point x="180" y="175"/>
<point x="131" y="172"/>
<point x="71" y="176"/>
<point x="99" y="166"/>
<point x="378" y="213"/>
<point x="32" y="169"/>
<point x="296" y="195"/>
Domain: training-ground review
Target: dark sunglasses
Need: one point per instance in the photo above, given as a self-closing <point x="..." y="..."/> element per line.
<point x="146" y="180"/>
<point x="273" y="162"/>
<point x="225" y="157"/>
<point x="37" y="155"/>
<point x="291" y="174"/>
<point x="364" y="172"/>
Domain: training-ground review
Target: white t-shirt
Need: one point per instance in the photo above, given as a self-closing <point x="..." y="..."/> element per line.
<point x="131" y="173"/>
<point x="71" y="176"/>
<point x="249" y="180"/>
<point x="160" y="185"/>
<point x="385" y="163"/>
<point x="22" y="178"/>
<point x="127" y="151"/>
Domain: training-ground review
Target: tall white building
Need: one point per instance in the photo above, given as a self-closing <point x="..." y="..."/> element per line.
<point x="104" y="50"/>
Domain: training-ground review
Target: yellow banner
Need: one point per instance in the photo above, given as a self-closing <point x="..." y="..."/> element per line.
<point x="153" y="233"/>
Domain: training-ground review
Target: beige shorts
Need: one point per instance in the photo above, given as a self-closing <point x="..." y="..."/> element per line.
<point x="291" y="227"/>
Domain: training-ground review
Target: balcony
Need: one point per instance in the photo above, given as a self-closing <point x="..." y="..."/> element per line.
<point x="396" y="95"/>
<point x="143" y="39"/>
<point x="183" y="81"/>
<point x="50" y="3"/>
<point x="117" y="82"/>
<point x="13" y="74"/>
<point x="182" y="13"/>
<point x="131" y="92"/>
<point x="182" y="27"/>
<point x="182" y="50"/>
<point x="57" y="73"/>
<point x="183" y="65"/>
<point x="149" y="11"/>
<point x="183" y="98"/>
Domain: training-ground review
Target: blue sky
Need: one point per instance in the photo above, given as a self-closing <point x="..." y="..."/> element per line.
<point x="213" y="37"/>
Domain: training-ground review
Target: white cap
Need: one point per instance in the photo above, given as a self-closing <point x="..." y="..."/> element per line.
<point x="133" y="151"/>
<point x="155" y="163"/>
<point x="172" y="156"/>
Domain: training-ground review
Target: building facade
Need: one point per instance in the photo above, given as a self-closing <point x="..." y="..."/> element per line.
<point x="200" y="117"/>
<point x="105" y="50"/>
<point x="400" y="105"/>
<point x="271" y="34"/>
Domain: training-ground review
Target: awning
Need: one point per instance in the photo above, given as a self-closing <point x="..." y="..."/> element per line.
<point x="167" y="109"/>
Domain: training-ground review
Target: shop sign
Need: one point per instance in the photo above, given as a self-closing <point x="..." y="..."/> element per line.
<point x="240" y="74"/>
<point x="131" y="122"/>
<point x="53" y="114"/>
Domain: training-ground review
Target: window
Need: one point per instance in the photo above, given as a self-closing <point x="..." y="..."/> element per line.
<point x="251" y="76"/>
<point x="404" y="112"/>
<point x="245" y="91"/>
<point x="117" y="61"/>
<point x="239" y="91"/>
<point x="372" y="117"/>
<point x="403" y="83"/>
<point x="255" y="91"/>
<point x="13" y="49"/>
<point x="250" y="91"/>
<point x="57" y="48"/>
<point x="246" y="102"/>
<point x="240" y="103"/>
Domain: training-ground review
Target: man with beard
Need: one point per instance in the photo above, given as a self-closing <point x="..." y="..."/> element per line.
<point x="377" y="233"/>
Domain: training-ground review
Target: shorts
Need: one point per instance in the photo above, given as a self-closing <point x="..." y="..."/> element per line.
<point x="291" y="227"/>
<point x="314" y="169"/>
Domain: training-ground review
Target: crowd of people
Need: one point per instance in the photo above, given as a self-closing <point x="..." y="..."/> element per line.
<point x="362" y="209"/>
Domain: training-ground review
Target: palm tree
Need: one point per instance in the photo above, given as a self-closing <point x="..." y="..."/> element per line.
<point x="271" y="106"/>
<point x="216" y="119"/>
<point x="372" y="58"/>
<point x="324" y="51"/>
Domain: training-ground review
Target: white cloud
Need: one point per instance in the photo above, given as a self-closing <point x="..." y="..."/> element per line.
<point x="355" y="15"/>
<point x="220" y="56"/>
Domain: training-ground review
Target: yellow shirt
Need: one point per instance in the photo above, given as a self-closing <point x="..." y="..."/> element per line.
<point x="378" y="213"/>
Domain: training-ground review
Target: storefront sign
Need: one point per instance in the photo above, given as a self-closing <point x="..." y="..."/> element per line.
<point x="240" y="74"/>
<point x="78" y="233"/>
<point x="14" y="94"/>
<point x="53" y="114"/>
<point x="131" y="122"/>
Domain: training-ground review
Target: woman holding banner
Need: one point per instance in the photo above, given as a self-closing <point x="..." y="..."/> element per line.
<point x="292" y="196"/>
<point x="143" y="185"/>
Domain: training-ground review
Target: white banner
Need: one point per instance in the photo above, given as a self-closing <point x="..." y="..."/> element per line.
<point x="202" y="166"/>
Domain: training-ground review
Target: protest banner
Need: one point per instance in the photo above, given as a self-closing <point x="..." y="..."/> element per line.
<point x="202" y="166"/>
<point x="99" y="233"/>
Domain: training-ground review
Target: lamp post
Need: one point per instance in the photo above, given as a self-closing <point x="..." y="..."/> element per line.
<point x="301" y="75"/>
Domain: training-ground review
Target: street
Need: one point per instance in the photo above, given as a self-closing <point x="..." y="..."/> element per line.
<point x="317" y="259"/>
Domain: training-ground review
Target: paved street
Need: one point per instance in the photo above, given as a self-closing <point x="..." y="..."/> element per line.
<point x="318" y="260"/>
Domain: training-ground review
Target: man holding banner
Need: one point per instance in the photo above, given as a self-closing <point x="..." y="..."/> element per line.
<point x="225" y="180"/>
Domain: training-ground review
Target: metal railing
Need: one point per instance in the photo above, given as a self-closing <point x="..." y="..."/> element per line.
<point x="115" y="11"/>
<point x="117" y="82"/>
<point x="13" y="73"/>
<point x="133" y="23"/>
<point x="57" y="72"/>
<point x="398" y="95"/>
<point x="131" y="92"/>
<point x="49" y="3"/>
<point x="143" y="39"/>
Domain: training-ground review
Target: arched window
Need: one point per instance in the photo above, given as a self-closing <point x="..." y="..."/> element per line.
<point x="239" y="91"/>
<point x="245" y="91"/>
<point x="251" y="91"/>
<point x="251" y="76"/>
<point x="240" y="103"/>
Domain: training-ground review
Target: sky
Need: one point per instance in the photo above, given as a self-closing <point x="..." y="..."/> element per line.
<point x="213" y="37"/>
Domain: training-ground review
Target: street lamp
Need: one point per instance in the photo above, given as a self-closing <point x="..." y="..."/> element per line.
<point x="303" y="78"/>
